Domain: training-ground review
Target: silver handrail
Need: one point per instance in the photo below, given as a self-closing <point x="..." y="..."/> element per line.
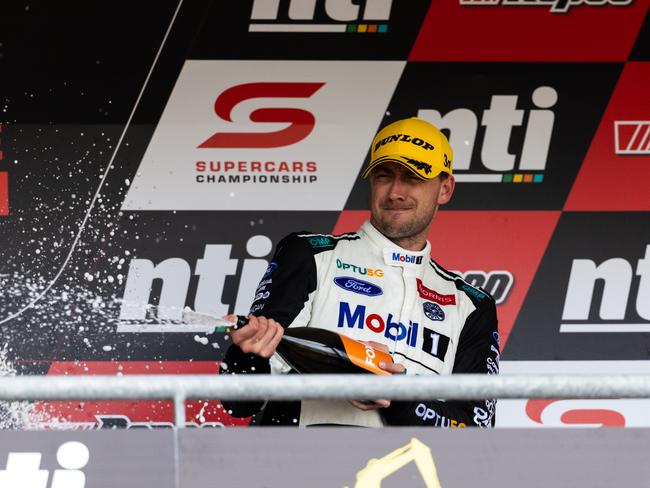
<point x="334" y="387"/>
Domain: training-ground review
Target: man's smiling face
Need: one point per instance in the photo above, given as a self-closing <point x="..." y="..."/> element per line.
<point x="403" y="205"/>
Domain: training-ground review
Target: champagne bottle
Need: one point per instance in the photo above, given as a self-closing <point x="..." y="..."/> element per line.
<point x="315" y="350"/>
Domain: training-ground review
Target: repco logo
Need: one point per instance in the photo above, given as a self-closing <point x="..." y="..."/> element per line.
<point x="556" y="6"/>
<point x="336" y="15"/>
<point x="301" y="122"/>
<point x="501" y="119"/>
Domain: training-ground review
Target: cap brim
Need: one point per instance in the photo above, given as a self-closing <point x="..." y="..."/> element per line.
<point x="398" y="159"/>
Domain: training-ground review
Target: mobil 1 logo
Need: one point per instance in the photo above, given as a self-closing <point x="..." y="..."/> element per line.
<point x="590" y="299"/>
<point x="518" y="135"/>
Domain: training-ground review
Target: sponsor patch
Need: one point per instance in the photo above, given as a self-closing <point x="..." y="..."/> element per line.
<point x="358" y="286"/>
<point x="429" y="414"/>
<point x="495" y="335"/>
<point x="319" y="241"/>
<point x="389" y="328"/>
<point x="434" y="343"/>
<point x="272" y="267"/>
<point x="433" y="311"/>
<point x="378" y="272"/>
<point x="470" y="290"/>
<point x="398" y="257"/>
<point x="434" y="296"/>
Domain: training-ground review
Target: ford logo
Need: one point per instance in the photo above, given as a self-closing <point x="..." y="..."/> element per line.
<point x="358" y="286"/>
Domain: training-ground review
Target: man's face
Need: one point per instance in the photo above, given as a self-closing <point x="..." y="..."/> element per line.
<point x="403" y="205"/>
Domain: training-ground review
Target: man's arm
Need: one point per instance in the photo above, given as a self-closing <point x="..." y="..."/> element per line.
<point x="477" y="353"/>
<point x="282" y="294"/>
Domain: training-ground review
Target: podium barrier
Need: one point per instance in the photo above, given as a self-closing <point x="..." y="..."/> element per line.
<point x="325" y="457"/>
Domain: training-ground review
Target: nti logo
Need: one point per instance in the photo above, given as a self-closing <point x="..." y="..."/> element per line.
<point x="556" y="6"/>
<point x="320" y="16"/>
<point x="23" y="468"/>
<point x="632" y="137"/>
<point x="616" y="275"/>
<point x="4" y="183"/>
<point x="175" y="274"/>
<point x="502" y="119"/>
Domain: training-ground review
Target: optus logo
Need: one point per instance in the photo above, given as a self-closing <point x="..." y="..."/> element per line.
<point x="301" y="121"/>
<point x="378" y="273"/>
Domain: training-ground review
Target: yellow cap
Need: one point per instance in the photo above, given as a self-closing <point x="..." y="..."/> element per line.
<point x="415" y="144"/>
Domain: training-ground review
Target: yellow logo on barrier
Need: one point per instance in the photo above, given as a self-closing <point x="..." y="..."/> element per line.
<point x="378" y="469"/>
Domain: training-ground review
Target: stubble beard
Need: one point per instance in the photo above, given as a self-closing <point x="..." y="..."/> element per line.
<point x="402" y="231"/>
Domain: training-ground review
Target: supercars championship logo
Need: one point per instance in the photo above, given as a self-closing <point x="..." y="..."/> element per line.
<point x="270" y="134"/>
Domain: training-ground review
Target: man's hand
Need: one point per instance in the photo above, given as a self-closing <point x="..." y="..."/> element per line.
<point x="391" y="368"/>
<point x="260" y="336"/>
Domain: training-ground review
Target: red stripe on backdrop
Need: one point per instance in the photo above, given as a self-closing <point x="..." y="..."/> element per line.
<point x="512" y="242"/>
<point x="4" y="193"/>
<point x="615" y="173"/>
<point x="197" y="411"/>
<point x="456" y="31"/>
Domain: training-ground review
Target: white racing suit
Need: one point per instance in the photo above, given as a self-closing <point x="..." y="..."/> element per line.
<point x="365" y="287"/>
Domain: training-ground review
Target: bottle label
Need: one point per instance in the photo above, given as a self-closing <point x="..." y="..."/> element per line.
<point x="365" y="356"/>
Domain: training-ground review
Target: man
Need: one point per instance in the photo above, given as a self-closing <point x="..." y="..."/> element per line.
<point x="430" y="320"/>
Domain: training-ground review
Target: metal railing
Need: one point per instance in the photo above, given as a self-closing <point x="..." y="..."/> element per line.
<point x="332" y="387"/>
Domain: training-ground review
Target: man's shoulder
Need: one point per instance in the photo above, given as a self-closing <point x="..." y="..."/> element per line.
<point x="475" y="294"/>
<point x="312" y="243"/>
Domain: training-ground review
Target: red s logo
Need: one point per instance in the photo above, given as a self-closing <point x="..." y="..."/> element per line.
<point x="576" y="416"/>
<point x="302" y="122"/>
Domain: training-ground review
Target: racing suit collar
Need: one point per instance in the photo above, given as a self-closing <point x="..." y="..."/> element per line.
<point x="394" y="255"/>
